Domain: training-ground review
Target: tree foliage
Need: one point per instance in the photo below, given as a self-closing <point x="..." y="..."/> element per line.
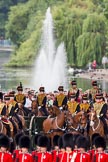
<point x="80" y="24"/>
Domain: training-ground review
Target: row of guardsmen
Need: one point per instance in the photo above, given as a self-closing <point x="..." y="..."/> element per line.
<point x="66" y="148"/>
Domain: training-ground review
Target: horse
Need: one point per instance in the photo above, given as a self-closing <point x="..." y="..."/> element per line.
<point x="96" y="125"/>
<point x="34" y="109"/>
<point x="2" y="128"/>
<point x="77" y="123"/>
<point x="53" y="111"/>
<point x="54" y="126"/>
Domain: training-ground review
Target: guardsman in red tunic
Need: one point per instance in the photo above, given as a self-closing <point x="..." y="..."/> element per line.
<point x="44" y="144"/>
<point x="68" y="145"/>
<point x="17" y="151"/>
<point x="72" y="104"/>
<point x="100" y="155"/>
<point x="61" y="99"/>
<point x="5" y="155"/>
<point x="82" y="155"/>
<point x="41" y="100"/>
<point x="37" y="148"/>
<point x="24" y="144"/>
<point x="93" y="150"/>
<point x="56" y="149"/>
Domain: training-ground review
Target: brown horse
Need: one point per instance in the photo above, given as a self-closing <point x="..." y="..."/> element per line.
<point x="53" y="111"/>
<point x="77" y="123"/>
<point x="2" y="128"/>
<point x="96" y="125"/>
<point x="35" y="111"/>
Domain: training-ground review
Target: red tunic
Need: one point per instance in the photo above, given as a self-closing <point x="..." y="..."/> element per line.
<point x="27" y="157"/>
<point x="44" y="157"/>
<point x="102" y="157"/>
<point x="16" y="154"/>
<point x="35" y="156"/>
<point x="85" y="157"/>
<point x="92" y="152"/>
<point x="6" y="157"/>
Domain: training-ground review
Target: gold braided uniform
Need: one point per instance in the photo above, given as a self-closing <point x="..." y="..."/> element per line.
<point x="60" y="99"/>
<point x="20" y="98"/>
<point x="40" y="99"/>
<point x="84" y="106"/>
<point x="1" y="107"/>
<point x="72" y="106"/>
<point x="98" y="107"/>
<point x="93" y="92"/>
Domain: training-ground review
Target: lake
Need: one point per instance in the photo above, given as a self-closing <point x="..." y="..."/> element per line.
<point x="11" y="77"/>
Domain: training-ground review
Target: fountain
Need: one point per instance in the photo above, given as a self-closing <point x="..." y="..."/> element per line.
<point x="51" y="64"/>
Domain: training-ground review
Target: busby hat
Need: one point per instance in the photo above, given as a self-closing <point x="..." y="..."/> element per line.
<point x="1" y="95"/>
<point x="55" y="140"/>
<point x="6" y="97"/>
<point x="98" y="96"/>
<point x="73" y="82"/>
<point x="61" y="88"/>
<point x="100" y="142"/>
<point x="72" y="95"/>
<point x="36" y="138"/>
<point x="85" y="97"/>
<point x="17" y="137"/>
<point x="12" y="93"/>
<point x="20" y="88"/>
<point x="82" y="142"/>
<point x="94" y="83"/>
<point x="41" y="89"/>
<point x="43" y="141"/>
<point x="4" y="141"/>
<point x="24" y="141"/>
<point x="68" y="140"/>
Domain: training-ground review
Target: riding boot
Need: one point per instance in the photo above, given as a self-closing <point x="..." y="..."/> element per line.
<point x="19" y="121"/>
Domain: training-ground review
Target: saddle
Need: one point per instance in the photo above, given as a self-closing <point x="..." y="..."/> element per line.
<point x="5" y="121"/>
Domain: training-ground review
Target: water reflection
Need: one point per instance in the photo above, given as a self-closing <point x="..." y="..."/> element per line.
<point x="11" y="77"/>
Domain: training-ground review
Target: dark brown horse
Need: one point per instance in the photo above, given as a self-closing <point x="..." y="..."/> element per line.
<point x="53" y="111"/>
<point x="96" y="125"/>
<point x="35" y="111"/>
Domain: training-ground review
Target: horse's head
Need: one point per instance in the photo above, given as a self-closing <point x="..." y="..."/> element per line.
<point x="92" y="117"/>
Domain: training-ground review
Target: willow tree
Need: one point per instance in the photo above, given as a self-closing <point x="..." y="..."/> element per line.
<point x="68" y="26"/>
<point x="91" y="44"/>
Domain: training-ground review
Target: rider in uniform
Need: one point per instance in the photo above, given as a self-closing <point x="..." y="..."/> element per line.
<point x="20" y="97"/>
<point x="72" y="104"/>
<point x="2" y="105"/>
<point x="61" y="99"/>
<point x="41" y="100"/>
<point x="85" y="106"/>
<point x="93" y="91"/>
<point x="74" y="89"/>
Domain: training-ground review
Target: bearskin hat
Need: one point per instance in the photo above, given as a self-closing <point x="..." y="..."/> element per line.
<point x="17" y="137"/>
<point x="68" y="140"/>
<point x="24" y="141"/>
<point x="55" y="140"/>
<point x="100" y="142"/>
<point x="73" y="82"/>
<point x="60" y="142"/>
<point x="36" y="138"/>
<point x="82" y="142"/>
<point x="4" y="141"/>
<point x="41" y="89"/>
<point x="95" y="135"/>
<point x="61" y="88"/>
<point x="94" y="83"/>
<point x="1" y="95"/>
<point x="43" y="141"/>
